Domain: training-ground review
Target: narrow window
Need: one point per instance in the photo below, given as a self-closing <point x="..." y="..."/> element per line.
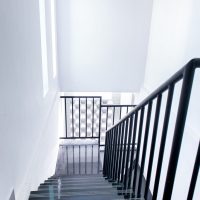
<point x="53" y="38"/>
<point x="43" y="46"/>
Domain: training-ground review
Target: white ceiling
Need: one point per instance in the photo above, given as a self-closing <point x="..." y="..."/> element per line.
<point x="102" y="44"/>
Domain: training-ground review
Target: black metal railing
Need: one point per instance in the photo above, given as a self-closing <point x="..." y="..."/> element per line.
<point x="87" y="118"/>
<point x="82" y="116"/>
<point x="127" y="141"/>
<point x="110" y="114"/>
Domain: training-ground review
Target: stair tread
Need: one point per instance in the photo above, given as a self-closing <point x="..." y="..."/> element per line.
<point x="79" y="187"/>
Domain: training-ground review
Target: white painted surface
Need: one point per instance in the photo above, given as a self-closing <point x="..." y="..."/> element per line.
<point x="102" y="44"/>
<point x="28" y="122"/>
<point x="174" y="40"/>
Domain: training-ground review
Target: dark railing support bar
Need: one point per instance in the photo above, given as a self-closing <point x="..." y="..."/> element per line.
<point x="93" y="117"/>
<point x="117" y="151"/>
<point x="86" y="115"/>
<point x="72" y="116"/>
<point x="188" y="75"/>
<point x="194" y="175"/>
<point x="65" y="118"/>
<point x="124" y="149"/>
<point x="133" y="150"/>
<point x="100" y="102"/>
<point x="146" y="134"/>
<point x="79" y="116"/>
<point x="113" y="115"/>
<point x="128" y="150"/>
<point x="138" y="150"/>
<point x="120" y="151"/>
<point x="163" y="140"/>
<point x="153" y="143"/>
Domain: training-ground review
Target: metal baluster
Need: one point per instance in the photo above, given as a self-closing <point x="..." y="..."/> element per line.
<point x="118" y="151"/>
<point x="92" y="117"/>
<point x="124" y="148"/>
<point x="121" y="150"/>
<point x="106" y="118"/>
<point x="128" y="150"/>
<point x="120" y="112"/>
<point x="86" y="115"/>
<point x="194" y="175"/>
<point x="144" y="148"/>
<point x="138" y="150"/>
<point x="153" y="143"/>
<point x="132" y="150"/>
<point x="127" y="110"/>
<point x="188" y="76"/>
<point x="163" y="140"/>
<point x="72" y="117"/>
<point x="100" y="100"/>
<point x="79" y="110"/>
<point x="111" y="153"/>
<point x="114" y="150"/>
<point x="65" y="118"/>
<point x="113" y="115"/>
<point x="105" y="160"/>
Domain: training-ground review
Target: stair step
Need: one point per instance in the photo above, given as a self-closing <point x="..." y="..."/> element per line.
<point x="76" y="176"/>
<point x="76" y="194"/>
<point x="63" y="191"/>
<point x="75" y="184"/>
<point x="83" y="197"/>
<point x="90" y="197"/>
<point x="78" y="188"/>
<point x="81" y="187"/>
<point x="77" y="180"/>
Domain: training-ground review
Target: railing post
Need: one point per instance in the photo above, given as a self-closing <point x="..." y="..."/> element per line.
<point x="79" y="116"/>
<point x="188" y="76"/>
<point x="111" y="152"/>
<point x="153" y="143"/>
<point x="133" y="150"/>
<point x="65" y="117"/>
<point x="72" y="116"/>
<point x="128" y="150"/>
<point x="194" y="175"/>
<point x="124" y="149"/>
<point x="146" y="134"/>
<point x="138" y="150"/>
<point x="115" y="152"/>
<point x="163" y="139"/>
<point x="105" y="155"/>
<point x="100" y="103"/>
<point x="86" y="116"/>
<point x="120" y="151"/>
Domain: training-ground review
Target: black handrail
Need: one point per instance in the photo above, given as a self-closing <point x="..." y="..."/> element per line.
<point x="120" y="140"/>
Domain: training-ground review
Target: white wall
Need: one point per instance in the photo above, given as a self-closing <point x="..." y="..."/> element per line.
<point x="102" y="44"/>
<point x="174" y="40"/>
<point x="28" y="121"/>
